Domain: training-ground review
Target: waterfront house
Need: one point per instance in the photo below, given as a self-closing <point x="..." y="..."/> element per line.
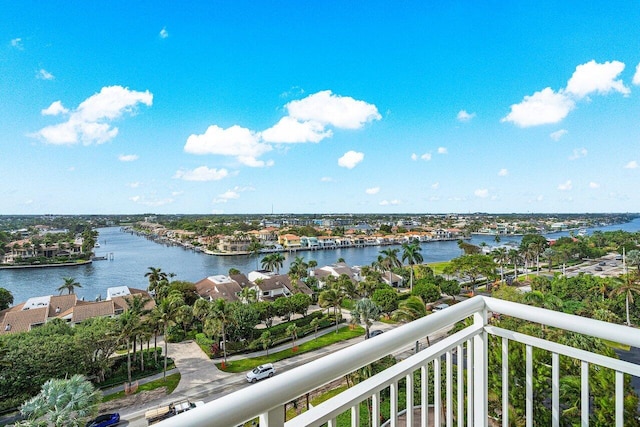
<point x="336" y="270"/>
<point x="219" y="286"/>
<point x="289" y="241"/>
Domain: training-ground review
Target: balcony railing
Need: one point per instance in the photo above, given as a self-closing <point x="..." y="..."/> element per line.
<point x="455" y="368"/>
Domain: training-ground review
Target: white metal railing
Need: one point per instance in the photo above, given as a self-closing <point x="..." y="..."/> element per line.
<point x="464" y="401"/>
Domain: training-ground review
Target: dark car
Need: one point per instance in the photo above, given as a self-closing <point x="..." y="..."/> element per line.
<point x="598" y="268"/>
<point x="104" y="420"/>
<point x="374" y="333"/>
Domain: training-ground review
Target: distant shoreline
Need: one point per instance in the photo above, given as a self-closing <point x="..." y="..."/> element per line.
<point x="64" y="264"/>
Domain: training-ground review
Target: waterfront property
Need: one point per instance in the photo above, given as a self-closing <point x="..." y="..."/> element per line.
<point x="451" y="377"/>
<point x="37" y="311"/>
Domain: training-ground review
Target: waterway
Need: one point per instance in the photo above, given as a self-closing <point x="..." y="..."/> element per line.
<point x="133" y="255"/>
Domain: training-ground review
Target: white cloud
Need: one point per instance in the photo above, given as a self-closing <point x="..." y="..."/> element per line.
<point x="599" y="78"/>
<point x="234" y="141"/>
<point x="540" y="198"/>
<point x="414" y="156"/>
<point x="153" y="202"/>
<point x="226" y="196"/>
<point x="90" y="122"/>
<point x="503" y="172"/>
<point x="636" y="76"/>
<point x="134" y="184"/>
<point x="577" y="153"/>
<point x="442" y="150"/>
<point x="435" y="185"/>
<point x="372" y="190"/>
<point x="394" y="202"/>
<point x="17" y="43"/>
<point x="128" y="157"/>
<point x="594" y="185"/>
<point x="54" y="109"/>
<point x="290" y="130"/>
<point x="164" y="33"/>
<point x="328" y="109"/>
<point x="481" y="192"/>
<point x="350" y="159"/>
<point x="464" y="117"/>
<point x="631" y="165"/>
<point x="542" y="107"/>
<point x="44" y="75"/>
<point x="566" y="186"/>
<point x="326" y="179"/>
<point x="558" y="134"/>
<point x="202" y="173"/>
<point x="426" y="156"/>
<point x="71" y="169"/>
<point x="135" y="198"/>
<point x="177" y="193"/>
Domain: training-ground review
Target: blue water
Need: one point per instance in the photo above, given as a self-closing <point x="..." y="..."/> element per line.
<point x="133" y="255"/>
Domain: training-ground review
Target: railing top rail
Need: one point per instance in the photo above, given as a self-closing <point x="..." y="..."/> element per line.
<point x="581" y="325"/>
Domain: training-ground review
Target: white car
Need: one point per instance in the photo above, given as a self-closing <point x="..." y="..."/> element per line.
<point x="261" y="372"/>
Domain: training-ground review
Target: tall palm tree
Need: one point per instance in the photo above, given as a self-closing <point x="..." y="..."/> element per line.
<point x="137" y="307"/>
<point x="390" y="260"/>
<point x="69" y="285"/>
<point x="273" y="261"/>
<point x="549" y="254"/>
<point x="633" y="258"/>
<point x="628" y="285"/>
<point x="331" y="298"/>
<point x="514" y="257"/>
<point x="537" y="248"/>
<point x="500" y="256"/>
<point x="155" y="276"/>
<point x="411" y="254"/>
<point x="254" y="249"/>
<point x="365" y="311"/>
<point x="410" y="309"/>
<point x="248" y="295"/>
<point x="166" y="313"/>
<point x="128" y="325"/>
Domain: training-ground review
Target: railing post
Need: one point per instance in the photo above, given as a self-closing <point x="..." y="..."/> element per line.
<point x="480" y="362"/>
<point x="273" y="418"/>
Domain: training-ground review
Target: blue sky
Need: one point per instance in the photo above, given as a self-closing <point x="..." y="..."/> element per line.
<point x="319" y="107"/>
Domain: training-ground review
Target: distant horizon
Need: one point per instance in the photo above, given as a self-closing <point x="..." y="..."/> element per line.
<point x="239" y="106"/>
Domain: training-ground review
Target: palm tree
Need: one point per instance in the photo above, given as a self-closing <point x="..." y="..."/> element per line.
<point x="128" y="324"/>
<point x="166" y="313"/>
<point x="549" y="254"/>
<point x="500" y="256"/>
<point x="62" y="402"/>
<point x="633" y="258"/>
<point x="217" y="316"/>
<point x="292" y="330"/>
<point x="248" y="295"/>
<point x="628" y="285"/>
<point x="69" y="285"/>
<point x="254" y="249"/>
<point x="273" y="261"/>
<point x="155" y="276"/>
<point x="331" y="298"/>
<point x="390" y="260"/>
<point x="137" y="307"/>
<point x="410" y="309"/>
<point x="411" y="254"/>
<point x="538" y="248"/>
<point x="365" y="311"/>
<point x="514" y="256"/>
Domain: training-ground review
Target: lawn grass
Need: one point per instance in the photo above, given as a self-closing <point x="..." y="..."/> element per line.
<point x="344" y="333"/>
<point x="438" y="267"/>
<point x="171" y="383"/>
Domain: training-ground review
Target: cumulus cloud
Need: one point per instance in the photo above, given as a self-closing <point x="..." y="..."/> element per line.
<point x="577" y="153"/>
<point x="435" y="185"/>
<point x="164" y="33"/>
<point x="151" y="201"/>
<point x="481" y="192"/>
<point x="566" y="186"/>
<point x="414" y="156"/>
<point x="290" y="130"/>
<point x="326" y="179"/>
<point x="394" y="202"/>
<point x="372" y="190"/>
<point x="236" y="141"/>
<point x="594" y="185"/>
<point x="134" y="184"/>
<point x="426" y="157"/>
<point x="231" y="194"/>
<point x="54" y="109"/>
<point x="558" y="134"/>
<point x="503" y="172"/>
<point x="541" y="108"/>
<point x="17" y="43"/>
<point x="91" y="121"/>
<point x="328" y="109"/>
<point x="636" y="76"/>
<point x="350" y="159"/>
<point x="43" y="74"/>
<point x="442" y="150"/>
<point x="548" y="106"/>
<point x="631" y="165"/>
<point x="128" y="157"/>
<point x="464" y="117"/>
<point x="596" y="78"/>
<point x="202" y="173"/>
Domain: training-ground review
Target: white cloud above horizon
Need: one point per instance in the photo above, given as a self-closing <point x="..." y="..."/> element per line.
<point x="503" y="172"/>
<point x="202" y="174"/>
<point x="394" y="202"/>
<point x="557" y="135"/>
<point x="565" y="186"/>
<point x="578" y="153"/>
<point x="372" y="190"/>
<point x="350" y="159"/>
<point x="442" y="150"/>
<point x="594" y="185"/>
<point x="543" y="107"/>
<point x="631" y="165"/>
<point x="163" y="33"/>
<point x="91" y="122"/>
<point x="43" y="74"/>
<point x="593" y="77"/>
<point x="465" y="117"/>
<point x="128" y="157"/>
<point x="636" y="75"/>
<point x="481" y="192"/>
